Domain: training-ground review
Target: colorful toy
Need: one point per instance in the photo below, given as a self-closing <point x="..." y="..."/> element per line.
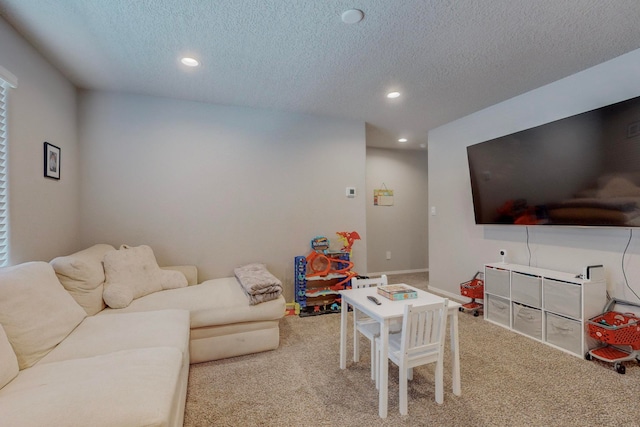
<point x="349" y="238"/>
<point x="322" y="292"/>
<point x="292" y="308"/>
<point x="320" y="243"/>
<point x="618" y="334"/>
<point x="473" y="289"/>
<point x="322" y="274"/>
<point x="322" y="265"/>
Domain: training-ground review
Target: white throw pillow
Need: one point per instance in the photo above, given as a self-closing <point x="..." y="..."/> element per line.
<point x="132" y="272"/>
<point x="8" y="361"/>
<point x="35" y="310"/>
<point x="82" y="275"/>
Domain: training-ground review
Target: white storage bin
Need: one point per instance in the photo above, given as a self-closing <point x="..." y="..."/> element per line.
<point x="496" y="282"/>
<point x="497" y="310"/>
<point x="527" y="320"/>
<point x="526" y="289"/>
<point x="565" y="333"/>
<point x="562" y="298"/>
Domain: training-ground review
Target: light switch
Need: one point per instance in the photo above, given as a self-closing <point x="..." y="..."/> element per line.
<point x="351" y="192"/>
<point x="433" y="210"/>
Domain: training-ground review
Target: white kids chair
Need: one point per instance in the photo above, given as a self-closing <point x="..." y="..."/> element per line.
<point x="421" y="342"/>
<point x="364" y="324"/>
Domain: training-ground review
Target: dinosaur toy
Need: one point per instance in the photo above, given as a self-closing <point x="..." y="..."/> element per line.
<point x="348" y="238"/>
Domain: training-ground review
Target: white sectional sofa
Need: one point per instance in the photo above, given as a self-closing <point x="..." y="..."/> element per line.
<point x="66" y="359"/>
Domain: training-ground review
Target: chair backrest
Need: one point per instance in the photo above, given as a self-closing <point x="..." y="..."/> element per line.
<point x="365" y="283"/>
<point x="423" y="331"/>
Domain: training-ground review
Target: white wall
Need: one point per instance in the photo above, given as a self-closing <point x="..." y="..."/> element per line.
<point x="217" y="186"/>
<point x="458" y="248"/>
<point x="44" y="213"/>
<point x="402" y="228"/>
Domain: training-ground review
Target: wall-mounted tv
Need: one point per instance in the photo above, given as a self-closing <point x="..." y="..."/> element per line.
<point x="583" y="170"/>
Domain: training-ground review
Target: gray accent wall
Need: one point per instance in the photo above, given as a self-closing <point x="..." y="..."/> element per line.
<point x="218" y="186"/>
<point x="401" y="229"/>
<point x="458" y="248"/>
<point x="44" y="213"/>
<point x="202" y="184"/>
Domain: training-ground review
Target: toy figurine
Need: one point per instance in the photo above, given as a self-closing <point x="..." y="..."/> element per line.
<point x="348" y="238"/>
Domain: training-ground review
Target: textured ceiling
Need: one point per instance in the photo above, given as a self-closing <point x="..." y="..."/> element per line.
<point x="448" y="58"/>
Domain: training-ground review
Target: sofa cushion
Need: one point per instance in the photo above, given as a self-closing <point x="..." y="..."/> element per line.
<point x="98" y="335"/>
<point x="189" y="271"/>
<point x="124" y="388"/>
<point x="132" y="272"/>
<point x="35" y="310"/>
<point x="82" y="275"/>
<point x="8" y="361"/>
<point x="213" y="302"/>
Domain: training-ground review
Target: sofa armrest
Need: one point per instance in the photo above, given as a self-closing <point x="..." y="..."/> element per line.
<point x="190" y="272"/>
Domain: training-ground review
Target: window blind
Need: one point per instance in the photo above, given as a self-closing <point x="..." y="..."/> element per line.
<point x="7" y="80"/>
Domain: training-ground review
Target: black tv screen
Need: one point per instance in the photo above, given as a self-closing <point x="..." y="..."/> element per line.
<point x="583" y="170"/>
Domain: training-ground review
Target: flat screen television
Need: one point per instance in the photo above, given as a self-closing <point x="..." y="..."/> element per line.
<point x="582" y="170"/>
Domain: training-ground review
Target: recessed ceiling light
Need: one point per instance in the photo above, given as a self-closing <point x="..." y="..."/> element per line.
<point x="392" y="95"/>
<point x="402" y="140"/>
<point x="352" y="16"/>
<point x="190" y="62"/>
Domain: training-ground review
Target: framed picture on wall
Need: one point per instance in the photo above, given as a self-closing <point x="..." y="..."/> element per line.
<point x="51" y="161"/>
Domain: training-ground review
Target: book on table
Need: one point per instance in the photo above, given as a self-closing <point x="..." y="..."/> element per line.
<point x="397" y="292"/>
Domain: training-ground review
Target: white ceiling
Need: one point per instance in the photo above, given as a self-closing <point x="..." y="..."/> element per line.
<point x="449" y="58"/>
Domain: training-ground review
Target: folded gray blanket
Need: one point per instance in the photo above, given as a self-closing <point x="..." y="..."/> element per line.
<point x="258" y="283"/>
<point x="257" y="299"/>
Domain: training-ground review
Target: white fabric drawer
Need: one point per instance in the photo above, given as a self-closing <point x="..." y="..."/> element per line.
<point x="496" y="282"/>
<point x="527" y="320"/>
<point x="498" y="310"/>
<point x="565" y="333"/>
<point x="563" y="298"/>
<point x="526" y="289"/>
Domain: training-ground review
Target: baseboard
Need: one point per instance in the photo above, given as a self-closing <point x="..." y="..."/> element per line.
<point x="455" y="297"/>
<point x="420" y="270"/>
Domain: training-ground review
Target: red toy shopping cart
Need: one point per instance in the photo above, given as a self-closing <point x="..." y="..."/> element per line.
<point x="620" y="334"/>
<point x="473" y="289"/>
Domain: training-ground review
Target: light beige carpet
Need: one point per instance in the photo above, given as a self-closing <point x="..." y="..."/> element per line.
<point x="507" y="380"/>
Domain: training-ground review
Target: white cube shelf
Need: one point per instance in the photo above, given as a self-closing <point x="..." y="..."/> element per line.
<point x="496" y="282"/>
<point x="564" y="332"/>
<point x="526" y="289"/>
<point x="497" y="310"/>
<point x="527" y="320"/>
<point x="548" y="306"/>
<point x="563" y="298"/>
